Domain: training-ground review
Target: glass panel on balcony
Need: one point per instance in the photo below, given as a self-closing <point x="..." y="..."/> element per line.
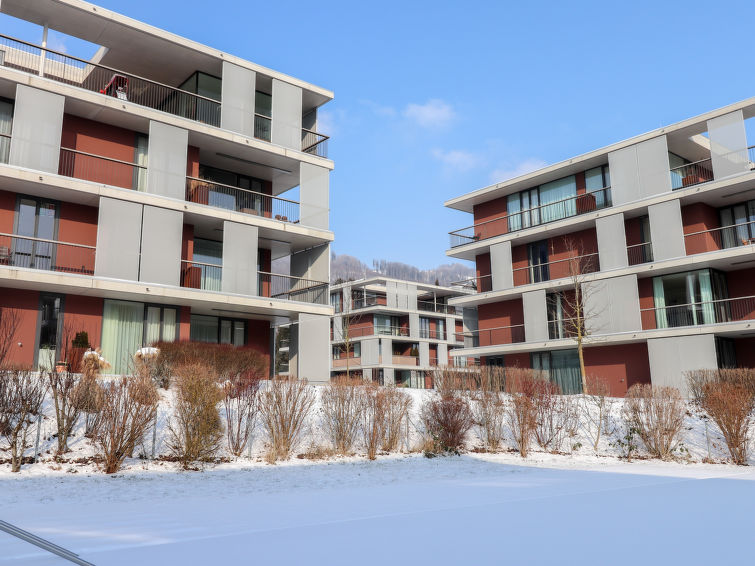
<point x="263" y="114"/>
<point x="207" y="264"/>
<point x="689" y="299"/>
<point x="738" y="223"/>
<point x="6" y="124"/>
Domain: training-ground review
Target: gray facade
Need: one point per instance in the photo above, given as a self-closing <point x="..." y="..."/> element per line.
<point x="728" y="145"/>
<point x="535" y="316"/>
<point x="671" y="357"/>
<point x="639" y="171"/>
<point x="312" y="347"/>
<point x="166" y="165"/>
<point x="287" y="105"/>
<point x="37" y="126"/>
<point x="501" y="271"/>
<point x="119" y="239"/>
<point x="162" y="232"/>
<point x="238" y="99"/>
<point x="612" y="305"/>
<point x="612" y="242"/>
<point x="314" y="196"/>
<point x="666" y="230"/>
<point x="239" y="259"/>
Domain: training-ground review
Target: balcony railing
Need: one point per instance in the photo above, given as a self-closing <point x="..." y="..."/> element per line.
<point x="290" y="288"/>
<point x="69" y="70"/>
<point x="513" y="334"/>
<point x="4" y="148"/>
<point x="346" y="362"/>
<point x="357" y="332"/>
<point x="735" y="235"/>
<point x="691" y="174"/>
<point x="99" y="169"/>
<point x="404" y="360"/>
<point x="263" y="127"/>
<point x="431" y="334"/>
<point x="563" y="328"/>
<point x="369" y="301"/>
<point x="314" y="143"/>
<point x="430" y="306"/>
<point x="543" y="214"/>
<point x="640" y="253"/>
<point x="696" y="314"/>
<point x="481" y="284"/>
<point x="218" y="195"/>
<point x="576" y="265"/>
<point x="48" y="255"/>
<point x="199" y="275"/>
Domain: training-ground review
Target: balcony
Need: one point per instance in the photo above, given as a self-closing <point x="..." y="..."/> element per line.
<point x="640" y="253"/>
<point x="430" y="306"/>
<point x="481" y="284"/>
<point x="228" y="197"/>
<point x="367" y="301"/>
<point x="56" y="66"/>
<point x="346" y="362"/>
<point x="199" y="275"/>
<point x="399" y="360"/>
<point x="558" y="269"/>
<point x="496" y="336"/>
<point x="700" y="313"/>
<point x="314" y="143"/>
<point x="733" y="236"/>
<point x="103" y="170"/>
<point x="691" y="174"/>
<point x="48" y="255"/>
<point x="559" y="328"/>
<point x="543" y="214"/>
<point x="378" y="331"/>
<point x="432" y="334"/>
<point x="291" y="288"/>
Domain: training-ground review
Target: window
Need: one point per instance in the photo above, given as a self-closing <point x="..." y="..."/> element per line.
<point x="441" y="332"/>
<point x="6" y="127"/>
<point x="221" y="193"/>
<point x="217" y="330"/>
<point x="561" y="367"/>
<point x="726" y="353"/>
<point x="50" y="309"/>
<point x="494" y="361"/>
<point x="385" y="324"/>
<point x="209" y="257"/>
<point x="595" y="180"/>
<point x="738" y="222"/>
<point x="537" y="254"/>
<point x="263" y="113"/>
<point x="424" y="327"/>
<point x="160" y="324"/>
<point x="36" y="221"/>
<point x="141" y="150"/>
<point x="676" y="165"/>
<point x="555" y="309"/>
<point x="335" y="301"/>
<point x="556" y="199"/>
<point x="206" y="86"/>
<point x="690" y="299"/>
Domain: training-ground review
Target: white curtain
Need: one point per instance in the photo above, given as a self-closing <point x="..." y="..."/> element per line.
<point x="552" y="199"/>
<point x="204" y="328"/>
<point x="122" y="330"/>
<point x="169" y="325"/>
<point x="513" y="210"/>
<point x="6" y="125"/>
<point x="706" y="297"/>
<point x="153" y="326"/>
<point x="659" y="299"/>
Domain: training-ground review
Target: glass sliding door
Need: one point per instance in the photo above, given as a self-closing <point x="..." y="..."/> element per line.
<point x="557" y="199"/>
<point x="209" y="255"/>
<point x="561" y="367"/>
<point x="6" y="126"/>
<point x="36" y="221"/>
<point x="690" y="299"/>
<point x="538" y="261"/>
<point x="50" y="307"/>
<point x="141" y="150"/>
<point x="738" y="222"/>
<point x="159" y="324"/>
<point x="122" y="333"/>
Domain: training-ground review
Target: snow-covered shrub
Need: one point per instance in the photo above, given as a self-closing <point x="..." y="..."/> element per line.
<point x="341" y="403"/>
<point x="373" y="417"/>
<point x="447" y="420"/>
<point x="196" y="430"/>
<point x="397" y="404"/>
<point x="21" y="397"/>
<point x="521" y="417"/>
<point x="129" y="405"/>
<point x="731" y="405"/>
<point x="556" y="416"/>
<point x="240" y="404"/>
<point x="595" y="410"/>
<point x="284" y="407"/>
<point x="656" y="414"/>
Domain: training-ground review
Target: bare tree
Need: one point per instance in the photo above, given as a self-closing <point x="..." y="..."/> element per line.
<point x="10" y="320"/>
<point x="595" y="409"/>
<point x="21" y="396"/>
<point x="347" y="346"/>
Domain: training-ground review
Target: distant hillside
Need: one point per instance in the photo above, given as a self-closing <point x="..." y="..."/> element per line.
<point x="346" y="267"/>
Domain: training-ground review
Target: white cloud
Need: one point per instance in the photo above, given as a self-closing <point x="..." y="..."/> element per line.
<point x="379" y="109"/>
<point x="457" y="159"/>
<point x="433" y="114"/>
<point x="509" y="172"/>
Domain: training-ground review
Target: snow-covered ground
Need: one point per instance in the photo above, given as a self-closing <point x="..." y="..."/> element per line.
<point x="470" y="509"/>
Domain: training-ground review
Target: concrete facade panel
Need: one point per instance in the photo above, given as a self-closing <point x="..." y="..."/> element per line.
<point x="119" y="236"/>
<point x="604" y="313"/>
<point x="728" y="145"/>
<point x="639" y="171"/>
<point x="237" y="99"/>
<point x="535" y="316"/>
<point x="612" y="243"/>
<point x="666" y="230"/>
<point x="240" y="246"/>
<point x="287" y="108"/>
<point x="501" y="271"/>
<point x="314" y="196"/>
<point x="162" y="231"/>
<point x="312" y="359"/>
<point x="167" y="159"/>
<point x="37" y="129"/>
<point x="671" y="357"/>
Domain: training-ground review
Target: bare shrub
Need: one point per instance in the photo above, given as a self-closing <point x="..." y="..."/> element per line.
<point x="225" y="360"/>
<point x="657" y="416"/>
<point x="129" y="405"/>
<point x="147" y="362"/>
<point x="489" y="410"/>
<point x="450" y="381"/>
<point x="21" y="397"/>
<point x="521" y="417"/>
<point x="397" y="404"/>
<point x="87" y="393"/>
<point x="10" y="321"/>
<point x="698" y="379"/>
<point x="556" y="417"/>
<point x="240" y="404"/>
<point x="342" y="402"/>
<point x="730" y="405"/>
<point x="595" y="410"/>
<point x="373" y="417"/>
<point x="447" y="421"/>
<point x="524" y="380"/>
<point x="284" y="406"/>
<point x="196" y="430"/>
<point x="62" y="388"/>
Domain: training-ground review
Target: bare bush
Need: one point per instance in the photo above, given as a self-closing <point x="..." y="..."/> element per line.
<point x="342" y="404"/>
<point x="657" y="416"/>
<point x="87" y="393"/>
<point x="240" y="404"/>
<point x="10" y="321"/>
<point x="524" y="380"/>
<point x="62" y="389"/>
<point x="447" y="421"/>
<point x="595" y="410"/>
<point x="196" y="430"/>
<point x="730" y="405"/>
<point x="397" y="404"/>
<point x="284" y="406"/>
<point x="521" y="417"/>
<point x="698" y="379"/>
<point x="489" y="410"/>
<point x="21" y="397"/>
<point x="373" y="418"/>
<point x="556" y="419"/>
<point x="450" y="381"/>
<point x="129" y="405"/>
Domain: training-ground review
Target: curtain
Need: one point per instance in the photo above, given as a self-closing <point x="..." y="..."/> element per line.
<point x="6" y="125"/>
<point x="441" y="326"/>
<point x="210" y="252"/>
<point x="659" y="299"/>
<point x="122" y="329"/>
<point x="552" y="199"/>
<point x="140" y="158"/>
<point x="204" y="328"/>
<point x="513" y="209"/>
<point x="152" y="326"/>
<point x="677" y="170"/>
<point x="706" y="298"/>
<point x="169" y="325"/>
<point x="728" y="235"/>
<point x="565" y="371"/>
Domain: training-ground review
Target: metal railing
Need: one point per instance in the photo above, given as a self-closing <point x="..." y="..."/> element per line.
<point x="732" y="236"/>
<point x="314" y="143"/>
<point x="430" y="306"/>
<point x="344" y="362"/>
<point x="696" y="314"/>
<point x="481" y="284"/>
<point x="640" y="253"/>
<point x="542" y="214"/>
<point x="691" y="174"/>
<point x="4" y="147"/>
<point x="513" y="334"/>
<point x="47" y="255"/>
<point x="263" y="127"/>
<point x="378" y="331"/>
<point x="99" y="169"/>
<point x="563" y="327"/>
<point x="432" y="334"/>
<point x="399" y="360"/>
<point x="200" y="275"/>
<point x="587" y="263"/>
<point x="368" y="301"/>
<point x="290" y="288"/>
<point x="59" y="67"/>
<point x="219" y="195"/>
<point x="44" y="544"/>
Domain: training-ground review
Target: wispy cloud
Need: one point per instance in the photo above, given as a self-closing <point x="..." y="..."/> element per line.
<point x="434" y="113"/>
<point x="379" y="109"/>
<point x="509" y="171"/>
<point x="458" y="159"/>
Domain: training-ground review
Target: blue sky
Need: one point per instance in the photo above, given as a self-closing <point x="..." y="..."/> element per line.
<point x="435" y="99"/>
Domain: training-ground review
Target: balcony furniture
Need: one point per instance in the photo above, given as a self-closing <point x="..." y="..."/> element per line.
<point x="117" y="87"/>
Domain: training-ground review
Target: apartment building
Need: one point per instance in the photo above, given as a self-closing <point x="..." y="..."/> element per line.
<point x="397" y="332"/>
<point x="657" y="230"/>
<point x="144" y="193"/>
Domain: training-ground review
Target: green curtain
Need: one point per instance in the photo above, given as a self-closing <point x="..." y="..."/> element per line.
<point x="565" y="371"/>
<point x="204" y="328"/>
<point x="659" y="299"/>
<point x="153" y="326"/>
<point x="169" y="325"/>
<point x="706" y="297"/>
<point x="122" y="329"/>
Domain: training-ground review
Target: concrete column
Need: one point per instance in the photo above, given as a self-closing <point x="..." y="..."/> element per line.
<point x="450" y="329"/>
<point x="313" y="348"/>
<point x="240" y="249"/>
<point x="287" y="108"/>
<point x="389" y="376"/>
<point x="639" y="171"/>
<point x="166" y="163"/>
<point x="424" y="354"/>
<point x="411" y="297"/>
<point x="314" y="196"/>
<point x="338" y="329"/>
<point x="37" y="129"/>
<point x="604" y="313"/>
<point x="535" y="316"/>
<point x="728" y="145"/>
<point x="119" y="238"/>
<point x="666" y="230"/>
<point x="386" y="345"/>
<point x="612" y="242"/>
<point x="370" y="352"/>
<point x="162" y="236"/>
<point x="671" y="357"/>
<point x="237" y="99"/>
<point x="413" y="325"/>
<point x="442" y="354"/>
<point x="502" y="274"/>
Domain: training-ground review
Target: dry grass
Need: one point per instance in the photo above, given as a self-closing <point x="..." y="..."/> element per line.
<point x="731" y="405"/>
<point x="284" y="406"/>
<point x="656" y="414"/>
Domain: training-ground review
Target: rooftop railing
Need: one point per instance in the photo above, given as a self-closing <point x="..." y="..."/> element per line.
<point x="560" y="268"/>
<point x="640" y="253"/>
<point x="543" y="214"/>
<point x="219" y="195"/>
<point x="291" y="288"/>
<point x="99" y="169"/>
<point x="430" y="306"/>
<point x="699" y="313"/>
<point x="735" y="235"/>
<point x="314" y="143"/>
<point x="47" y="255"/>
<point x="57" y="66"/>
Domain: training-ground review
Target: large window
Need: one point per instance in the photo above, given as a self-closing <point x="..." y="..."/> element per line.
<point x="6" y="127"/>
<point x="50" y="310"/>
<point x="263" y="114"/>
<point x="209" y="257"/>
<point x="738" y="222"/>
<point x="207" y="86"/>
<point x="561" y="367"/>
<point x="231" y="199"/>
<point x="218" y="330"/>
<point x="537" y="255"/>
<point x="690" y="299"/>
<point x="36" y="223"/>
